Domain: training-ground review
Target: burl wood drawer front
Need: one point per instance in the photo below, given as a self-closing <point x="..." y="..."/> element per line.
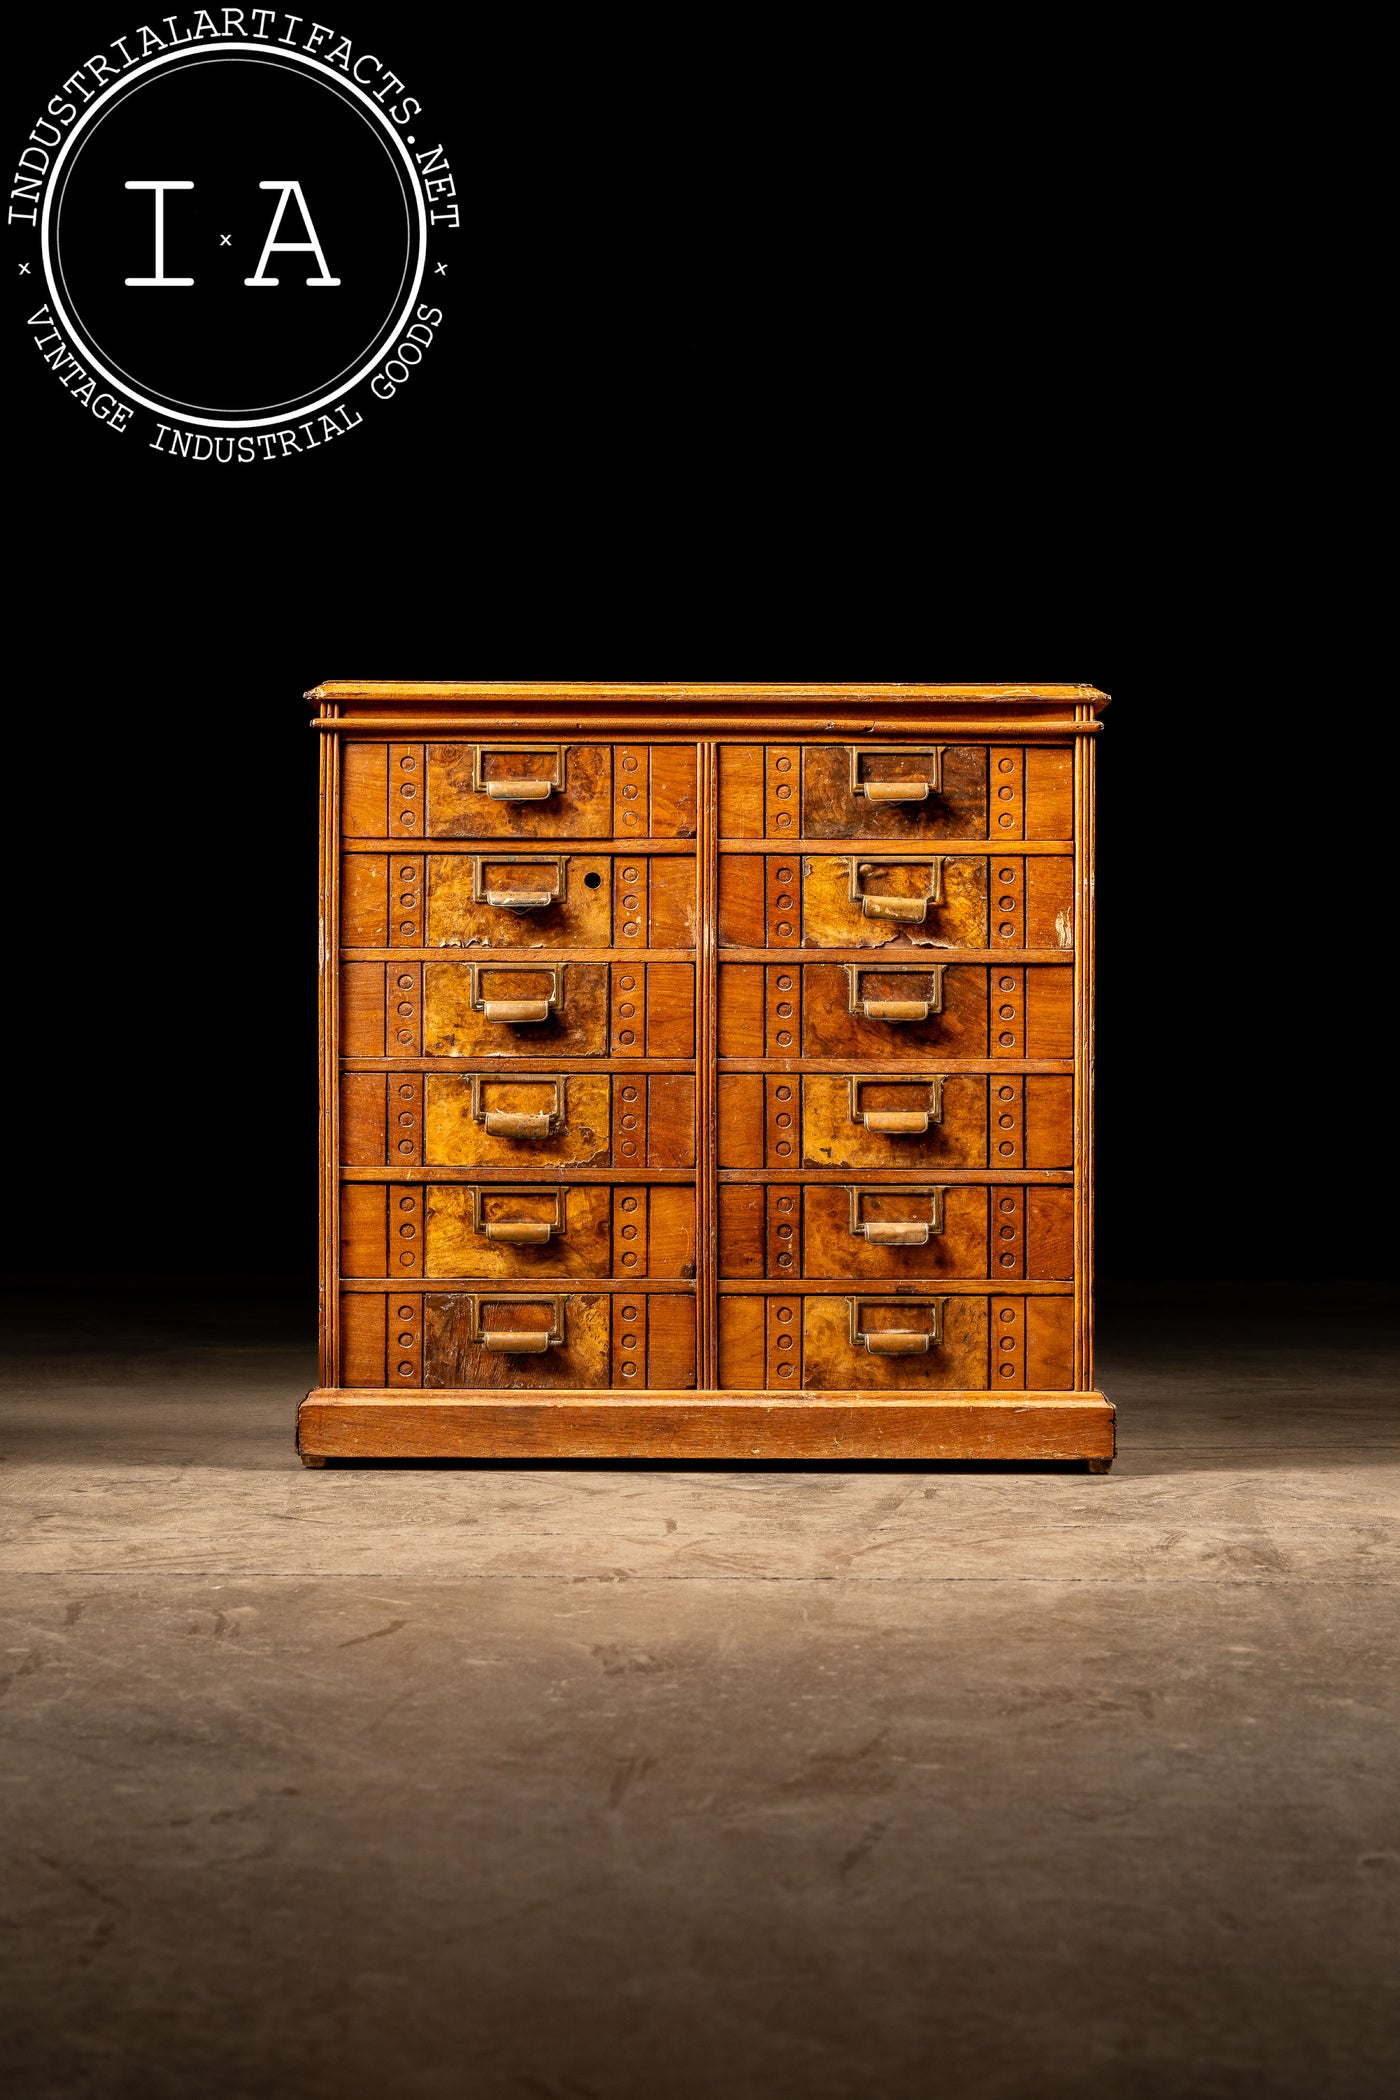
<point x="651" y="1118"/>
<point x="901" y="793"/>
<point x="895" y="1233"/>
<point x="553" y="901"/>
<point x="567" y="1119"/>
<point x="955" y="1119"/>
<point x="482" y="1009"/>
<point x="532" y="788"/>
<point x="914" y="1342"/>
<point x="484" y="1340"/>
<point x="830" y="900"/>
<point x="525" y="1233"/>
<point x="889" y="1011"/>
<point x="541" y="1008"/>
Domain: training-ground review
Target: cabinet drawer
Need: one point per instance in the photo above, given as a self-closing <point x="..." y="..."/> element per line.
<point x="919" y="1341"/>
<point x="648" y="1119"/>
<point x="517" y="900"/>
<point x="552" y="1120"/>
<point x="575" y="1009"/>
<point x="531" y="788"/>
<point x="526" y="1232"/>
<point x="957" y="1119"/>
<point x="889" y="1011"/>
<point x="520" y="1009"/>
<point x="901" y="794"/>
<point x="414" y="1009"/>
<point x="895" y="1232"/>
<point x="489" y="1339"/>
<point x="838" y="900"/>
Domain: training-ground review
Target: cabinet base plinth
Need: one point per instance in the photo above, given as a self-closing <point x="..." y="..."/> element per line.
<point x="365" y="1424"/>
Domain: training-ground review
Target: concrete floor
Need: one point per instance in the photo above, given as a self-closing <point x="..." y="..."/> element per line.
<point x="599" y="1783"/>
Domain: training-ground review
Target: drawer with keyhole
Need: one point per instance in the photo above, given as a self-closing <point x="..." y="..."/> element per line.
<point x="517" y="899"/>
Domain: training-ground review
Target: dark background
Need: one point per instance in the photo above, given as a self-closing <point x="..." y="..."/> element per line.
<point x="753" y="367"/>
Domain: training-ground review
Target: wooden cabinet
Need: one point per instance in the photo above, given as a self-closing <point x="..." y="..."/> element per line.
<point x="705" y="1072"/>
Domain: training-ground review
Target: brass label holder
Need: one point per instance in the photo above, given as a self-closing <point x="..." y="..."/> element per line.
<point x="516" y="1013"/>
<point x="907" y="911"/>
<point x="515" y="1341"/>
<point x="519" y="900"/>
<point x="518" y="1123"/>
<point x="895" y="1009"/>
<point x="518" y="790"/>
<point x="897" y="1341"/>
<point x="898" y="790"/>
<point x="912" y="1232"/>
<point x="898" y="1122"/>
<point x="517" y="1232"/>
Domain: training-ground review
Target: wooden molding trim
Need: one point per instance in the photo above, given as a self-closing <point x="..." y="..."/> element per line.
<point x="705" y="1424"/>
<point x="1027" y="729"/>
<point x="550" y="692"/>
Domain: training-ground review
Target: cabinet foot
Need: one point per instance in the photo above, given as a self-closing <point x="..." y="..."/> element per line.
<point x="1098" y="1465"/>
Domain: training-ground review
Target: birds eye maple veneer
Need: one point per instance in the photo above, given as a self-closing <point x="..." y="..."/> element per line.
<point x="706" y="1072"/>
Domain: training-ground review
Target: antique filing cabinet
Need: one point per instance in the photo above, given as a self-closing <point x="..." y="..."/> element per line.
<point x="706" y="1072"/>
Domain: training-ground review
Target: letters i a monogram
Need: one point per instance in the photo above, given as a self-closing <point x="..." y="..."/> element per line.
<point x="272" y="246"/>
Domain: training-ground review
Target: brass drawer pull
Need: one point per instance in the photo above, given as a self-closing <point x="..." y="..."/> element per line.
<point x="517" y="1341"/>
<point x="897" y="1341"/>
<point x="518" y="790"/>
<point x="518" y="900"/>
<point x="898" y="790"/>
<point x="896" y="1009"/>
<point x="903" y="1232"/>
<point x="909" y="911"/>
<point x="517" y="1232"/>
<point x="515" y="1012"/>
<point x="514" y="1122"/>
<point x="898" y="1122"/>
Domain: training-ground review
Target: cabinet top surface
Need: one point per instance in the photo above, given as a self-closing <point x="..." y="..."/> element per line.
<point x="544" y="693"/>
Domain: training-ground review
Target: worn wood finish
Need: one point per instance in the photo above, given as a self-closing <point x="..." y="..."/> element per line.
<point x="979" y="904"/>
<point x="601" y="1108"/>
<point x="947" y="892"/>
<point x="461" y="911"/>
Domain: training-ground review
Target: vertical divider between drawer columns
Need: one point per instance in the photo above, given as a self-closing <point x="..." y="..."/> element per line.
<point x="1084" y="1056"/>
<point x="329" y="1002"/>
<point x="706" y="1052"/>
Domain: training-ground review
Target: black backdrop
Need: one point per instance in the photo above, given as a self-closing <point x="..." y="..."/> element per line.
<point x="740" y="379"/>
